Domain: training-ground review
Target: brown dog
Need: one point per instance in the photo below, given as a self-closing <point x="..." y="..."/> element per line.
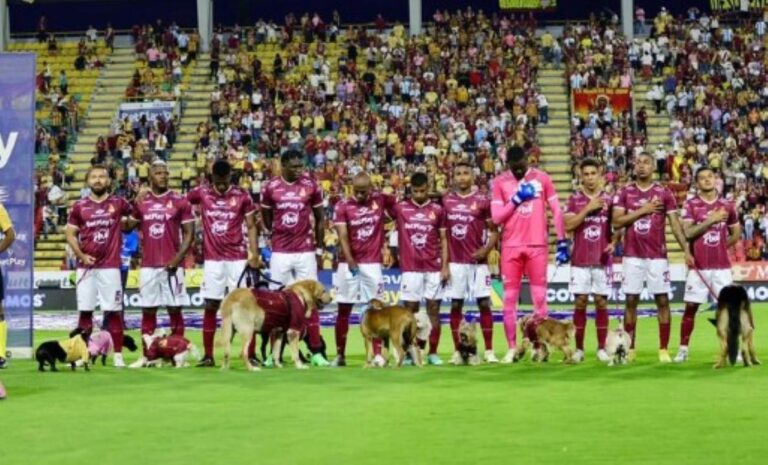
<point x="549" y="332"/>
<point x="733" y="320"/>
<point x="395" y="324"/>
<point x="270" y="312"/>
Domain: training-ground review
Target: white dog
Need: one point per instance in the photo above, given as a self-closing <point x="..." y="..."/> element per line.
<point x="173" y="349"/>
<point x="617" y="344"/>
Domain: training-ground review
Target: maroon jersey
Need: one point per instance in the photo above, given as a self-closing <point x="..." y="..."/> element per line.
<point x="283" y="310"/>
<point x="711" y="248"/>
<point x="418" y="235"/>
<point x="167" y="347"/>
<point x="223" y="218"/>
<point x="291" y="205"/>
<point x="646" y="237"/>
<point x="466" y="223"/>
<point x="365" y="225"/>
<point x="98" y="226"/>
<point x="593" y="235"/>
<point x="161" y="217"/>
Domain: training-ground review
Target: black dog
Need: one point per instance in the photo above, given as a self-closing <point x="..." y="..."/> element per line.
<point x="52" y="351"/>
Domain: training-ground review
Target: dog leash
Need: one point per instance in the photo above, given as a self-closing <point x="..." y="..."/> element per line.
<point x="255" y="278"/>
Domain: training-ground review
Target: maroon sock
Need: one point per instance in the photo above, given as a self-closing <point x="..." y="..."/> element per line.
<point x="455" y="321"/>
<point x="434" y="338"/>
<point x="486" y="325"/>
<point x="630" y="328"/>
<point x="209" y="328"/>
<point x="377" y="347"/>
<point x="580" y="322"/>
<point x="85" y="321"/>
<point x="342" y="328"/>
<point x="177" y="322"/>
<point x="313" y="331"/>
<point x="115" y="328"/>
<point x="664" y="330"/>
<point x="601" y="321"/>
<point x="148" y="324"/>
<point x="689" y="320"/>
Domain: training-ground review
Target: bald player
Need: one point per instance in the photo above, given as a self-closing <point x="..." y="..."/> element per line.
<point x="359" y="220"/>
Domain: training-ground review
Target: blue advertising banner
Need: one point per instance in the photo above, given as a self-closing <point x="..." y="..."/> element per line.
<point x="17" y="132"/>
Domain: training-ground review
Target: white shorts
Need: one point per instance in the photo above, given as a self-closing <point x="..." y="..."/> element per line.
<point x="417" y="285"/>
<point x="287" y="268"/>
<point x="219" y="277"/>
<point x="155" y="288"/>
<point x="654" y="272"/>
<point x="469" y="281"/>
<point x="696" y="292"/>
<point x="367" y="285"/>
<point x="100" y="287"/>
<point x="590" y="280"/>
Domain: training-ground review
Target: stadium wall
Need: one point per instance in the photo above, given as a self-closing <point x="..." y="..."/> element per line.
<point x="77" y="15"/>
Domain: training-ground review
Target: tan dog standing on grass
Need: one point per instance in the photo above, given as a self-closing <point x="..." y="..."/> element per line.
<point x="550" y="333"/>
<point x="468" y="343"/>
<point x="244" y="311"/>
<point x="393" y="324"/>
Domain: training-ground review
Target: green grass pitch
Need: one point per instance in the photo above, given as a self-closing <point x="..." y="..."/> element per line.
<point x="524" y="414"/>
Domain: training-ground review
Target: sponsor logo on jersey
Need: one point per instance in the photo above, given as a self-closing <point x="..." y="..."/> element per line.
<point x="459" y="231"/>
<point x="290" y="219"/>
<point x="101" y="236"/>
<point x="419" y="240"/>
<point x="712" y="238"/>
<point x="642" y="226"/>
<point x="219" y="228"/>
<point x="157" y="230"/>
<point x="592" y="233"/>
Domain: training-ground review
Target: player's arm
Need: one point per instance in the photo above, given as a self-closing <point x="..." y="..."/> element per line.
<point x="501" y="208"/>
<point x="319" y="214"/>
<point x="554" y="206"/>
<point x="734" y="234"/>
<point x="622" y="218"/>
<point x="346" y="249"/>
<point x="575" y="219"/>
<point x="445" y="273"/>
<point x="253" y="239"/>
<point x="677" y="231"/>
<point x="187" y="233"/>
<point x="70" y="232"/>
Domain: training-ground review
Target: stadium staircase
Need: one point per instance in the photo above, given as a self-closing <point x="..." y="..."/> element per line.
<point x="195" y="110"/>
<point x="554" y="137"/>
<point x="658" y="133"/>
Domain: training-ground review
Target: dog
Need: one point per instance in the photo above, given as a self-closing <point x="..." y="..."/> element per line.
<point x="101" y="345"/>
<point x="393" y="323"/>
<point x="733" y="319"/>
<point x="617" y="344"/>
<point x="73" y="351"/>
<point x="248" y="311"/>
<point x="173" y="349"/>
<point x="548" y="332"/>
<point x="468" y="343"/>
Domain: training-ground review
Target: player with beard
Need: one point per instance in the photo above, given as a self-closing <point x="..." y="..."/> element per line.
<point x="94" y="234"/>
<point x="643" y="208"/>
<point x="520" y="199"/>
<point x="423" y="248"/>
<point x="292" y="210"/>
<point x="471" y="236"/>
<point x="224" y="209"/>
<point x="588" y="217"/>
<point x="167" y="226"/>
<point x="711" y="224"/>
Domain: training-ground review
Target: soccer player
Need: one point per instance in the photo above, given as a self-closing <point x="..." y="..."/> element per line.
<point x="471" y="235"/>
<point x="292" y="210"/>
<point x="712" y="225"/>
<point x="224" y="208"/>
<point x="423" y="248"/>
<point x="167" y="225"/>
<point x="359" y="220"/>
<point x="642" y="208"/>
<point x="9" y="235"/>
<point x="588" y="217"/>
<point x="94" y="234"/>
<point x="519" y="202"/>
